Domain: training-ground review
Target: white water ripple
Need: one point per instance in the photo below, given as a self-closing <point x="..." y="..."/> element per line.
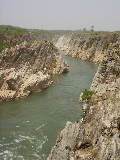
<point x="33" y="147"/>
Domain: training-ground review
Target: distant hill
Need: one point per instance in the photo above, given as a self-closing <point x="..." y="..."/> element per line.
<point x="10" y="36"/>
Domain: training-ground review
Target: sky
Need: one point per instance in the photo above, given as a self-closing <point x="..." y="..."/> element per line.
<point x="104" y="15"/>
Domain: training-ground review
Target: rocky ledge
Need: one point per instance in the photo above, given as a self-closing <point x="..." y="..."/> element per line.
<point x="97" y="135"/>
<point x="26" y="68"/>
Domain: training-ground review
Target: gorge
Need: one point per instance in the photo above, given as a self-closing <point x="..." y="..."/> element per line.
<point x="97" y="135"/>
<point x="37" y="119"/>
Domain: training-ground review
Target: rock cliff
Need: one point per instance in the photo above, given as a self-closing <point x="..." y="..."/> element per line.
<point x="97" y="135"/>
<point x="87" y="46"/>
<point x="26" y="68"/>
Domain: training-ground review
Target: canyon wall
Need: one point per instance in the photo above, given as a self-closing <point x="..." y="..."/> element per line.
<point x="26" y="68"/>
<point x="88" y="46"/>
<point x="97" y="135"/>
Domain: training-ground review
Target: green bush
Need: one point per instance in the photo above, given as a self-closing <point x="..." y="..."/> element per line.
<point x="118" y="53"/>
<point x="4" y="45"/>
<point x="10" y="36"/>
<point x="106" y="45"/>
<point x="12" y="30"/>
<point x="87" y="94"/>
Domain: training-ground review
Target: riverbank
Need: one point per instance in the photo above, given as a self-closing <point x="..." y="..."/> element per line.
<point x="96" y="135"/>
<point x="26" y="68"/>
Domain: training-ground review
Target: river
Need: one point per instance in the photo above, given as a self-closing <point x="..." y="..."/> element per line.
<point x="29" y="126"/>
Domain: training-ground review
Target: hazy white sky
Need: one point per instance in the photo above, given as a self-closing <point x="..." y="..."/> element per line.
<point x="61" y="14"/>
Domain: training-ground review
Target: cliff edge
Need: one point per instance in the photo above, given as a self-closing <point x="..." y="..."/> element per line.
<point x="26" y="68"/>
<point x="97" y="135"/>
<point x="88" y="46"/>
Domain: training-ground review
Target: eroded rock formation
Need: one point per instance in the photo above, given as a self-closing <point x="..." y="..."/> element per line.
<point x="89" y="46"/>
<point x="26" y="68"/>
<point x="97" y="135"/>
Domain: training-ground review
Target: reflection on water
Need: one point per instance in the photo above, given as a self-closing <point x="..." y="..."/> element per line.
<point x="29" y="126"/>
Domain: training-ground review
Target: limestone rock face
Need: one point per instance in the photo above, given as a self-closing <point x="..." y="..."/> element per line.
<point x="90" y="46"/>
<point x="26" y="68"/>
<point x="97" y="135"/>
<point x="65" y="142"/>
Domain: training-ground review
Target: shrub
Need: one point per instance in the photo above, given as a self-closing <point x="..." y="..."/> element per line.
<point x="106" y="45"/>
<point x="87" y="94"/>
<point x="118" y="53"/>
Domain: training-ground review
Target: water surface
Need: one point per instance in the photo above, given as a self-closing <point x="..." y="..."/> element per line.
<point x="29" y="126"/>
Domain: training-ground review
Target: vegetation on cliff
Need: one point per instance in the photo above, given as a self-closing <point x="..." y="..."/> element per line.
<point x="11" y="35"/>
<point x="87" y="94"/>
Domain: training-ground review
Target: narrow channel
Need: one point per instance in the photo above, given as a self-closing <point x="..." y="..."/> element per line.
<point x="29" y="126"/>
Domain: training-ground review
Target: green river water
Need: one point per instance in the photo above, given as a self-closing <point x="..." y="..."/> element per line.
<point x="29" y="126"/>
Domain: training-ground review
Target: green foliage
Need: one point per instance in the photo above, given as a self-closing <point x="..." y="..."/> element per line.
<point x="10" y="36"/>
<point x="12" y="30"/>
<point x="106" y="45"/>
<point x="118" y="50"/>
<point x="84" y="29"/>
<point x="92" y="28"/>
<point x="118" y="53"/>
<point x="87" y="94"/>
<point x="4" y="45"/>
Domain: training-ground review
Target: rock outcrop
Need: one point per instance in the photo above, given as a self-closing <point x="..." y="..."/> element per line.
<point x="87" y="46"/>
<point x="26" y="68"/>
<point x="97" y="135"/>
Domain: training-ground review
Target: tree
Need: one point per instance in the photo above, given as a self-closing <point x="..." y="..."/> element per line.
<point x="84" y="29"/>
<point x="92" y="28"/>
